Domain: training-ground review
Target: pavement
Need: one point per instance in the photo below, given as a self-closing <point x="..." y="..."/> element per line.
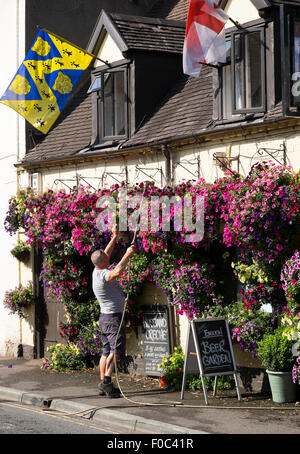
<point x="144" y="408"/>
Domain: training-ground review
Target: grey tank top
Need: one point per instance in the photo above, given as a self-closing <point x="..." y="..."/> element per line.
<point x="108" y="293"/>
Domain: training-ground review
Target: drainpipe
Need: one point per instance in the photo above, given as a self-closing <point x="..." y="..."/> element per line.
<point x="20" y="346"/>
<point x="166" y="153"/>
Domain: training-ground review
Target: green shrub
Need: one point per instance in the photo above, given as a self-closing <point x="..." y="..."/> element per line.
<point x="194" y="382"/>
<point x="275" y="352"/>
<point x="172" y="367"/>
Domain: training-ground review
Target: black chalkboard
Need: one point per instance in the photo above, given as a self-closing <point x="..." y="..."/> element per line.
<point x="209" y="351"/>
<point x="214" y="344"/>
<point x="155" y="337"/>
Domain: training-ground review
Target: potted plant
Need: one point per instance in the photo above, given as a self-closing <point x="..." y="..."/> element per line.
<point x="21" y="251"/>
<point x="276" y="354"/>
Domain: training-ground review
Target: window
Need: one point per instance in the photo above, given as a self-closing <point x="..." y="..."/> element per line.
<point x="110" y="89"/>
<point x="290" y="59"/>
<point x="295" y="63"/>
<point x="243" y="75"/>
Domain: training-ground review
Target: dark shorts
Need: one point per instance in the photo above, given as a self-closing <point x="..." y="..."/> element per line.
<point x="109" y="326"/>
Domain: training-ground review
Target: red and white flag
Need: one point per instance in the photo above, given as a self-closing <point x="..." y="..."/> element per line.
<point x="204" y="36"/>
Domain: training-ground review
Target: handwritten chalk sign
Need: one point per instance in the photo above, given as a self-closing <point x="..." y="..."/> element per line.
<point x="155" y="337"/>
<point x="209" y="351"/>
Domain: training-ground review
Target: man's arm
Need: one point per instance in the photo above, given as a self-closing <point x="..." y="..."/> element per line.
<point x="110" y="247"/>
<point x="118" y="270"/>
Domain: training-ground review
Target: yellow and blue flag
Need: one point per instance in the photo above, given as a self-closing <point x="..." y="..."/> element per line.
<point x="46" y="79"/>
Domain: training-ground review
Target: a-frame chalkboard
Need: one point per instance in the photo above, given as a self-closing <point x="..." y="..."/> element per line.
<point x="209" y="351"/>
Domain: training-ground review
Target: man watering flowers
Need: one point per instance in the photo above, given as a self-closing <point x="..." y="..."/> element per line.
<point x="112" y="300"/>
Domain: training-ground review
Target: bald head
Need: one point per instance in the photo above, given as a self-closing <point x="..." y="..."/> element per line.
<point x="100" y="259"/>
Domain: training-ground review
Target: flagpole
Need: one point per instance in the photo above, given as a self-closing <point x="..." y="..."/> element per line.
<point x="208" y="64"/>
<point x="74" y="45"/>
<point x="237" y="24"/>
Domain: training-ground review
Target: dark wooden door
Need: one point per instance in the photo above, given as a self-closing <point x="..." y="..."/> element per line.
<point x="49" y="312"/>
<point x="55" y="313"/>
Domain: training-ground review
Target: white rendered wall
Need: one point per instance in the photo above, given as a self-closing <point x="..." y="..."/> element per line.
<point x="12" y="133"/>
<point x="241" y="11"/>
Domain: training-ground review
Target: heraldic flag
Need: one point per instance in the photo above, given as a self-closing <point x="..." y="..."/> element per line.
<point x="204" y="36"/>
<point x="46" y="79"/>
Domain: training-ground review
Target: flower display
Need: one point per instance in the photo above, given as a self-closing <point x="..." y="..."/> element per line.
<point x="172" y="369"/>
<point x="18" y="299"/>
<point x="64" y="357"/>
<point x="296" y="371"/>
<point x="249" y="326"/>
<point x="89" y="340"/>
<point x="290" y="277"/>
<point x="257" y="287"/>
<point x="261" y="213"/>
<point x="252" y="219"/>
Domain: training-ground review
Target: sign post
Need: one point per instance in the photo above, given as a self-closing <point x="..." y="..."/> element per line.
<point x="209" y="351"/>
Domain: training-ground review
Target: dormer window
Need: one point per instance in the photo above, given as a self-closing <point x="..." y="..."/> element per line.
<point x="143" y="59"/>
<point x="109" y="89"/>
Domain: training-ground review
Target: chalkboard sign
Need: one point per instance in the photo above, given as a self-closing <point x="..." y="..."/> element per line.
<point x="209" y="351"/>
<point x="214" y="343"/>
<point x="155" y="337"/>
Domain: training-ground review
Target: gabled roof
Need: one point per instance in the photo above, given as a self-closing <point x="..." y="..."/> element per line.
<point x="186" y="110"/>
<point x="139" y="33"/>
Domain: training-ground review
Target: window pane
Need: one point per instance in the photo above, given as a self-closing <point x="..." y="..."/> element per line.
<point x="253" y="70"/>
<point x="119" y="104"/>
<point x="226" y="92"/>
<point x="295" y="101"/>
<point x="297" y="46"/>
<point x="109" y="105"/>
<point x="248" y="71"/>
<point x="239" y="72"/>
<point x="96" y="85"/>
<point x="114" y="104"/>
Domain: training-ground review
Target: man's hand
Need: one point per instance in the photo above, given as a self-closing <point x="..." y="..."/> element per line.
<point x="115" y="231"/>
<point x="131" y="250"/>
<point x="118" y="270"/>
<point x="110" y="247"/>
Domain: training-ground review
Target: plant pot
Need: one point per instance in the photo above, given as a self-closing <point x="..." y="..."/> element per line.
<point x="282" y="387"/>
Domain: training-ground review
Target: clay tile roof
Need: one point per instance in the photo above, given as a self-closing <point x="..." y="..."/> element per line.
<point x="152" y="34"/>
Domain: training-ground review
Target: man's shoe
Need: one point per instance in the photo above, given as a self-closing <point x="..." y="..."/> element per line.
<point x="108" y="390"/>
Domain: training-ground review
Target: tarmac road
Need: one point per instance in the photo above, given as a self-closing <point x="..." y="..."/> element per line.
<point x="147" y="408"/>
<point x="22" y="419"/>
<point x="25" y="419"/>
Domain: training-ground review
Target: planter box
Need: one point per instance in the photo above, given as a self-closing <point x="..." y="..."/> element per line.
<point x="252" y="374"/>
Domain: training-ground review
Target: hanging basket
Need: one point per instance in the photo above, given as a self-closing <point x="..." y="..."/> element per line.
<point x="21" y="252"/>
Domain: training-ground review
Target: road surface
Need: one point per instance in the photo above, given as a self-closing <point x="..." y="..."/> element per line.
<point x="23" y="419"/>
